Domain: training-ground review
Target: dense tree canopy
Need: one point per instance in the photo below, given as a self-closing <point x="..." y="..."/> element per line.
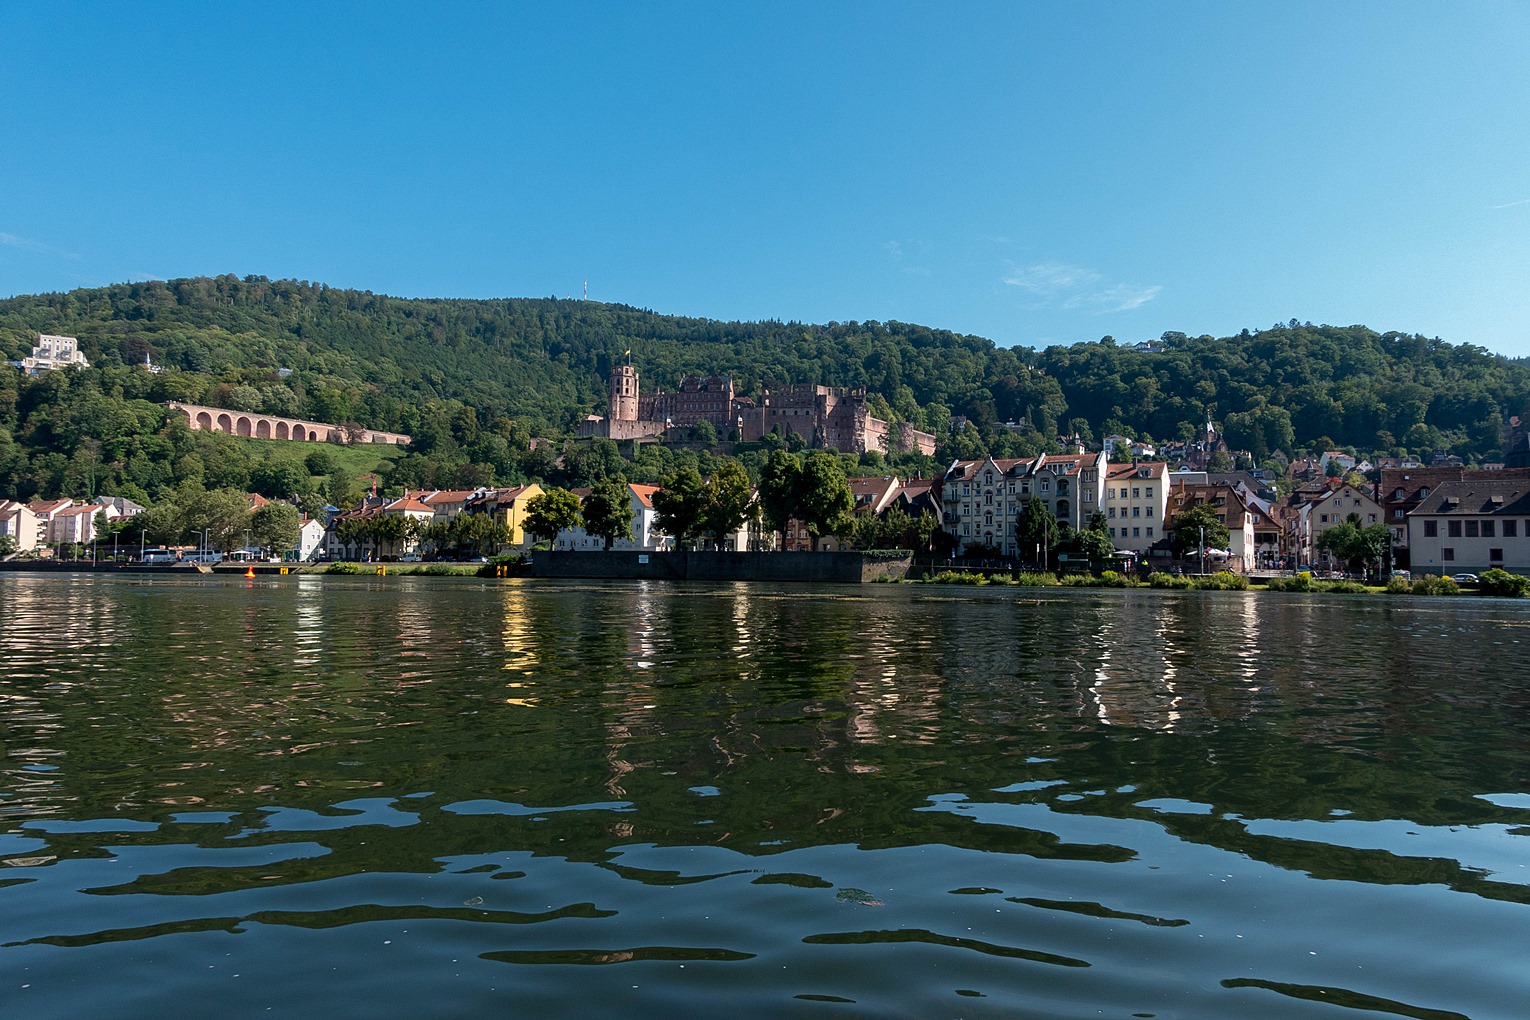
<point x="475" y="381"/>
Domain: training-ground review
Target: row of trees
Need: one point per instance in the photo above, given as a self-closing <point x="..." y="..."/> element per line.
<point x="692" y="509"/>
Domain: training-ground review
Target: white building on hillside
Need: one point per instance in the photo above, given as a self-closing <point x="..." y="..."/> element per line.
<point x="54" y="352"/>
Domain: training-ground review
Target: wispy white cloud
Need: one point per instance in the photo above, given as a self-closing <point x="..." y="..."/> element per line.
<point x="27" y="244"/>
<point x="1510" y="205"/>
<point x="1078" y="288"/>
<point x="895" y="251"/>
<point x="1049" y="280"/>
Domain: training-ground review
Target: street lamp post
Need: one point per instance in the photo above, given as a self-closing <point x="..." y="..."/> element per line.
<point x="206" y="542"/>
<point x="1203" y="548"/>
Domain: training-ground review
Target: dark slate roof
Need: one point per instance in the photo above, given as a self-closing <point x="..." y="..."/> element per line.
<point x="1478" y="496"/>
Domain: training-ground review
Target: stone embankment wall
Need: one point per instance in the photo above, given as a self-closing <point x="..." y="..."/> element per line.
<point x="841" y="567"/>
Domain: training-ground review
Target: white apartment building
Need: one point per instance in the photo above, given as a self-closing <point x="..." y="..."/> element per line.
<point x="54" y="352"/>
<point x="1472" y="526"/>
<point x="1135" y="504"/>
<point x="983" y="501"/>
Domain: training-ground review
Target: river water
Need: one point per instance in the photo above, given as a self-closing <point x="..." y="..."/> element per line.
<point x="452" y="797"/>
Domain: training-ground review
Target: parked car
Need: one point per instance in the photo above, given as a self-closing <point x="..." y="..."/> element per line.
<point x="1402" y="574"/>
<point x="1464" y="578"/>
<point x="411" y="557"/>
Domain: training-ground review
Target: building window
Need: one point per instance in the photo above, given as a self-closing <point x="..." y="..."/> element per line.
<point x="1495" y="555"/>
<point x="1431" y="529"/>
<point x="1149" y="492"/>
<point x="1453" y="528"/>
<point x="1136" y="494"/>
<point x="1471" y="529"/>
<point x="1110" y="493"/>
<point x="1398" y="514"/>
<point x="1489" y="529"/>
<point x="1370" y="518"/>
<point x="1110" y="512"/>
<point x="1112" y="532"/>
<point x="1510" y="529"/>
<point x="1323" y="518"/>
<point x="1136" y="511"/>
<point x="1447" y="554"/>
<point x="1149" y="512"/>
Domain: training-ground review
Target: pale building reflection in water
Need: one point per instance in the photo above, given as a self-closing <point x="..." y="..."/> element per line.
<point x="520" y="646"/>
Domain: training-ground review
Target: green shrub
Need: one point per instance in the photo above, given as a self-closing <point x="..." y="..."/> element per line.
<point x="956" y="577"/>
<point x="343" y="567"/>
<point x="1399" y="586"/>
<point x="1036" y="579"/>
<point x="1348" y="588"/>
<point x="1107" y="579"/>
<point x="1296" y="582"/>
<point x="1222" y="580"/>
<point x="1500" y="582"/>
<point x="1431" y="585"/>
<point x="1159" y="579"/>
<point x="514" y="565"/>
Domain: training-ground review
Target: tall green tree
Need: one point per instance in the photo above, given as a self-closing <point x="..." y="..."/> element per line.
<point x="1093" y="543"/>
<point x="550" y="512"/>
<point x="1037" y="531"/>
<point x="680" y="506"/>
<point x="825" y="504"/>
<point x="780" y="490"/>
<point x="222" y="515"/>
<point x="275" y="526"/>
<point x="607" y="510"/>
<point x="730" y="502"/>
<point x="1197" y="524"/>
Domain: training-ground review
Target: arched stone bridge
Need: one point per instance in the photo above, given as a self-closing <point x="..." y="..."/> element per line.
<point x="266" y="426"/>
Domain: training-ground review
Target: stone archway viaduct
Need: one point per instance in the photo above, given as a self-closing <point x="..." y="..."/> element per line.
<point x="266" y="426"/>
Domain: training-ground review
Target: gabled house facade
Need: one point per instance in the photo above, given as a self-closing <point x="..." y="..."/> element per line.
<point x="1231" y="510"/>
<point x="508" y="505"/>
<point x="19" y="523"/>
<point x="1335" y="509"/>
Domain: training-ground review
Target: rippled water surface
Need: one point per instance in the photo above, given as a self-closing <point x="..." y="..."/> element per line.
<point x="448" y="797"/>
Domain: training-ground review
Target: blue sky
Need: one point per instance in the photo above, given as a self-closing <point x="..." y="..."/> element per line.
<point x="1035" y="173"/>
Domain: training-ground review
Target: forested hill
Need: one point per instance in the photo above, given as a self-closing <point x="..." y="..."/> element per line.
<point x="401" y="364"/>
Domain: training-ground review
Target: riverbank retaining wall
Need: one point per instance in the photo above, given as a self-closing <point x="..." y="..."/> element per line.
<point x="841" y="567"/>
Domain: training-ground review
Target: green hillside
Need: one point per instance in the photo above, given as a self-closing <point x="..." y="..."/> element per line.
<point x="475" y="380"/>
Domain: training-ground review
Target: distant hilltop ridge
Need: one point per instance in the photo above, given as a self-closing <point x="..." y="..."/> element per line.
<point x="424" y="367"/>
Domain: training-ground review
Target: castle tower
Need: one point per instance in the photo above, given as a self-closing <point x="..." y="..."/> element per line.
<point x="624" y="393"/>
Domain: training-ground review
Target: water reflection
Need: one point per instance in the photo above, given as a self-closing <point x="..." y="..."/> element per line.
<point x="910" y="800"/>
